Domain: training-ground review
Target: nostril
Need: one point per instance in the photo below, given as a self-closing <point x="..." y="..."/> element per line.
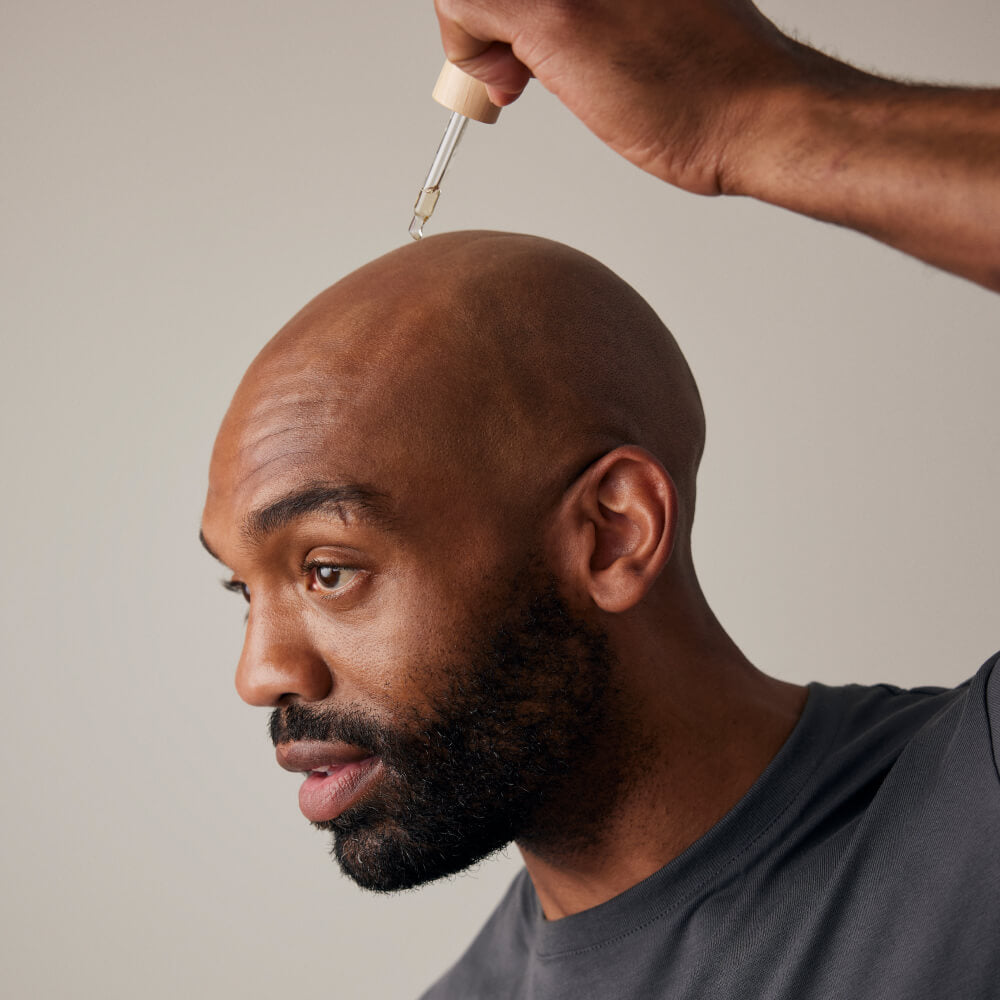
<point x="271" y="673"/>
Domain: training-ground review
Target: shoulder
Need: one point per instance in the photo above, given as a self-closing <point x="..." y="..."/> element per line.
<point x="891" y="718"/>
<point x="925" y="752"/>
<point x="492" y="966"/>
<point x="961" y="731"/>
<point x="895" y="760"/>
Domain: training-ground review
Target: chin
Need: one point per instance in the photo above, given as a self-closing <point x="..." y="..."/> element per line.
<point x="383" y="862"/>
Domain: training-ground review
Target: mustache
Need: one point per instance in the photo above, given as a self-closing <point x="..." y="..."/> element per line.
<point x="294" y="722"/>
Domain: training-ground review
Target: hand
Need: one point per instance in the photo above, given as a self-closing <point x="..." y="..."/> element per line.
<point x="708" y="95"/>
<point x="672" y="85"/>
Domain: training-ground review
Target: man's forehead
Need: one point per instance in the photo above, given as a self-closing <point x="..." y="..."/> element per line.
<point x="288" y="450"/>
<point x="251" y="475"/>
<point x="250" y="460"/>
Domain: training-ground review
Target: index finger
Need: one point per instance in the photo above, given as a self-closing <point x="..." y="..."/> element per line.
<point x="477" y="45"/>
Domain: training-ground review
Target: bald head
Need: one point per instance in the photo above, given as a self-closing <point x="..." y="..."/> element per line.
<point x="488" y="365"/>
<point x="457" y="492"/>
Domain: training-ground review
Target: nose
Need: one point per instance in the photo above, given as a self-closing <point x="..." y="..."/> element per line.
<point x="277" y="662"/>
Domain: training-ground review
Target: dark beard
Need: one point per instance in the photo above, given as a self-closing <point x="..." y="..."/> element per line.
<point x="490" y="763"/>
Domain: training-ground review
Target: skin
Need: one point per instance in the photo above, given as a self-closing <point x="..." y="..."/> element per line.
<point x="510" y="400"/>
<point x="710" y="96"/>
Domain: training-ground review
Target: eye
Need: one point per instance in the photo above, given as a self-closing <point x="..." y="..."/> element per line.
<point x="328" y="577"/>
<point x="238" y="587"/>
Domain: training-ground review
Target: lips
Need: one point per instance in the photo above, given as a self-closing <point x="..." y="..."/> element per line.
<point x="337" y="775"/>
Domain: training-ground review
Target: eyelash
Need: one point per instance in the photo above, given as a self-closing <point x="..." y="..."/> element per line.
<point x="239" y="587"/>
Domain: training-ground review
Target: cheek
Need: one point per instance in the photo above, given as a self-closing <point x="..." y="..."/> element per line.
<point x="402" y="651"/>
<point x="412" y="637"/>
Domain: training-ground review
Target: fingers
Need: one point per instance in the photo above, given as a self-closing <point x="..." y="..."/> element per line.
<point x="503" y="73"/>
<point x="476" y="45"/>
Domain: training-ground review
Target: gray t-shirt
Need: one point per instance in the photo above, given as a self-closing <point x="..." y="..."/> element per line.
<point x="864" y="862"/>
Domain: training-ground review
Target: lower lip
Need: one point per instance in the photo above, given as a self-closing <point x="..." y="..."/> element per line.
<point x="323" y="797"/>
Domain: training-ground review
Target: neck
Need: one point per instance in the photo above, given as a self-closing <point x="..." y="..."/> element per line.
<point x="695" y="724"/>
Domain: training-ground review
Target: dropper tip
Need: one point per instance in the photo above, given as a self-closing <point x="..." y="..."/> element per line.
<point x="417" y="227"/>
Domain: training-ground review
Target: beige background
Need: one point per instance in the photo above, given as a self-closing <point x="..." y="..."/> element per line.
<point x="177" y="179"/>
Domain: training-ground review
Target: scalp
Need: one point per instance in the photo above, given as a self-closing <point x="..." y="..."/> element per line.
<point x="510" y="360"/>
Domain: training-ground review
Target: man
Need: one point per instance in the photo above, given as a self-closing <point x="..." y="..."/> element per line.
<point x="458" y="490"/>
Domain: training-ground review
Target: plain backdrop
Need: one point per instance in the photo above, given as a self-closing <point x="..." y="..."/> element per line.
<point x="177" y="180"/>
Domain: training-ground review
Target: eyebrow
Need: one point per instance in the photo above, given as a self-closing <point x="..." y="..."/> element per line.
<point x="347" y="501"/>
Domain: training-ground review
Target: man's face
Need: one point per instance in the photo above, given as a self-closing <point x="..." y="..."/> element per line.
<point x="516" y="701"/>
<point x="425" y="673"/>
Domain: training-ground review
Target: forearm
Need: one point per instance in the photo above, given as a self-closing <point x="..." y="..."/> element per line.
<point x="710" y="96"/>
<point x="915" y="167"/>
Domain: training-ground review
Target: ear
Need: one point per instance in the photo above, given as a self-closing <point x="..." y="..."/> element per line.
<point x="616" y="528"/>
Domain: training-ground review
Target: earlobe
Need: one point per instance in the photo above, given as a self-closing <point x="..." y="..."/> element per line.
<point x="622" y="514"/>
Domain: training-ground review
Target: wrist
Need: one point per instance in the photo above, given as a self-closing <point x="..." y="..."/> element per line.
<point x="787" y="128"/>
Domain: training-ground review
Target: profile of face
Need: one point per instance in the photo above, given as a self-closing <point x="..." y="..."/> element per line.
<point x="513" y="701"/>
<point x="391" y="490"/>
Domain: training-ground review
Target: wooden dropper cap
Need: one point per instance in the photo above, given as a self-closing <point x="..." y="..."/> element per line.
<point x="458" y="91"/>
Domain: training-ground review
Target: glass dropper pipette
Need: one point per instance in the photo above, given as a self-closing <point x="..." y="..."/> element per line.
<point x="428" y="196"/>
<point x="466" y="98"/>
